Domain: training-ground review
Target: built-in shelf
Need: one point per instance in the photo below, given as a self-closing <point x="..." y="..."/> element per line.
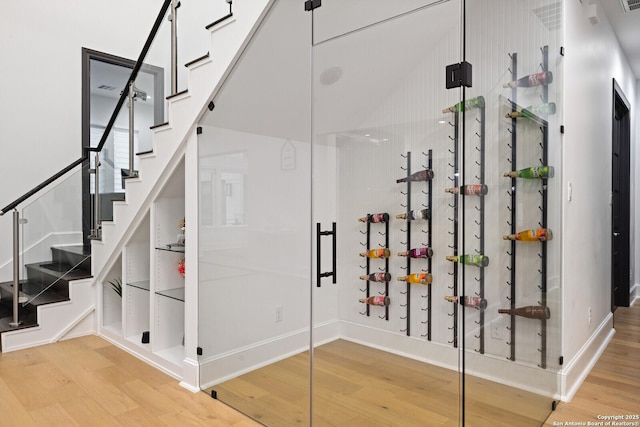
<point x="144" y="285"/>
<point x="177" y="293"/>
<point x="172" y="247"/>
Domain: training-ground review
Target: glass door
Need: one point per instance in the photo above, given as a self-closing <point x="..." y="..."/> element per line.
<point x="255" y="226"/>
<point x="385" y="339"/>
<point x="510" y="212"/>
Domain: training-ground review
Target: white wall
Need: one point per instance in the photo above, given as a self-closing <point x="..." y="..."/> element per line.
<point x="40" y="43"/>
<point x="635" y="164"/>
<point x="593" y="58"/>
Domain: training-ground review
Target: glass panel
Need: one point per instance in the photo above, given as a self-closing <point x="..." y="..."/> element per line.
<point x="254" y="230"/>
<point x="52" y="251"/>
<point x="377" y="120"/>
<point x="512" y="361"/>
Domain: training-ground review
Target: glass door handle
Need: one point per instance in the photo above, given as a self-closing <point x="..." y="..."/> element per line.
<point x="319" y="234"/>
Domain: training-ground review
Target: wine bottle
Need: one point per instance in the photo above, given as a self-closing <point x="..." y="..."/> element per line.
<point x="477" y="260"/>
<point x="542" y="172"/>
<point x="537" y="235"/>
<point x="531" y="80"/>
<point x="423" y="175"/>
<point x="377" y="277"/>
<point x="531" y="311"/>
<point x="469" y="190"/>
<point x="417" y="278"/>
<point x="376" y="300"/>
<point x="377" y="217"/>
<point x="475" y="302"/>
<point x="377" y="253"/>
<point x="469" y="104"/>
<point x="534" y="111"/>
<point x="424" y="252"/>
<point x="414" y="215"/>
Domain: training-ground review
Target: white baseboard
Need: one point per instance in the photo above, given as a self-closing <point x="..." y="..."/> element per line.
<point x="226" y="366"/>
<point x="577" y="369"/>
<point x="635" y="293"/>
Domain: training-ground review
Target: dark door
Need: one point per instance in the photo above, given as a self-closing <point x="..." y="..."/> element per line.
<point x="620" y="204"/>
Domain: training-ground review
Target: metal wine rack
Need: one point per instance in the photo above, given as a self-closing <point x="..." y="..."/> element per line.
<point x="544" y="129"/>
<point x="408" y="206"/>
<point x="454" y="221"/>
<point x="367" y="266"/>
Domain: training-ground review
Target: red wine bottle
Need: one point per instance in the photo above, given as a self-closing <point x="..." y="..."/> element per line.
<point x="415" y="215"/>
<point x="469" y="190"/>
<point x="376" y="217"/>
<point x="377" y="277"/>
<point x="531" y="311"/>
<point x="531" y="80"/>
<point x="423" y="175"/>
<point x="377" y="300"/>
<point x="475" y="302"/>
<point x="424" y="252"/>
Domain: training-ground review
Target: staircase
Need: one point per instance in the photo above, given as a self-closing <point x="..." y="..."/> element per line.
<point x="67" y="308"/>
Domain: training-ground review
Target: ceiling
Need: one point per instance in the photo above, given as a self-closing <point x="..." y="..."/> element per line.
<point x="627" y="28"/>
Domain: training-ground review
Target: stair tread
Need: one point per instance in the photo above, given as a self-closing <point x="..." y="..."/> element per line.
<point x="59" y="270"/>
<point x="203" y="57"/>
<point x="159" y="125"/>
<point x="47" y="297"/>
<point x="182" y="92"/>
<point x="224" y="18"/>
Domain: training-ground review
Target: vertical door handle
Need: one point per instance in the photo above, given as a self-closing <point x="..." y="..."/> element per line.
<point x="319" y="234"/>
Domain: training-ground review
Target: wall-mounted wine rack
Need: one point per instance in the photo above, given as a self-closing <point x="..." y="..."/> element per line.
<point x="454" y="222"/>
<point x="427" y="196"/>
<point x="543" y="207"/>
<point x="367" y="266"/>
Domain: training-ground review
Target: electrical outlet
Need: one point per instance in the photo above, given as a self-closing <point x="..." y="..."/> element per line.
<point x="278" y="314"/>
<point x="498" y="329"/>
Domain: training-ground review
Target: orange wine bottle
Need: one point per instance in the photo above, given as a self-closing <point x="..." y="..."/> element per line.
<point x="475" y="302"/>
<point x="377" y="277"/>
<point x="423" y="175"/>
<point x="423" y="252"/>
<point x="469" y="190"/>
<point x="377" y="217"/>
<point x="537" y="235"/>
<point x="376" y="300"/>
<point x="417" y="278"/>
<point x="377" y="253"/>
<point x="531" y="312"/>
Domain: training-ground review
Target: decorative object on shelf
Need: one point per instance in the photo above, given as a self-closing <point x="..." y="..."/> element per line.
<point x="469" y="190"/>
<point x="423" y="175"/>
<point x="180" y="239"/>
<point x="535" y="172"/>
<point x="530" y="311"/>
<point x="419" y="214"/>
<point x="475" y="302"/>
<point x="377" y="277"/>
<point x="380" y="300"/>
<point x="537" y="235"/>
<point x="116" y="285"/>
<point x="181" y="267"/>
<point x="424" y="252"/>
<point x="417" y="278"/>
<point x="375" y="218"/>
<point x="534" y="111"/>
<point x="538" y="79"/>
<point x="469" y="104"/>
<point x="477" y="260"/>
<point x="376" y="253"/>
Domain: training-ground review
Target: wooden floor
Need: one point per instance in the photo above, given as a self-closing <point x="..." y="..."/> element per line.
<point x="88" y="382"/>
<point x="613" y="386"/>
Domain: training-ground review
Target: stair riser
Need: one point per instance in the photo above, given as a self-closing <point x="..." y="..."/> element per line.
<point x="62" y="256"/>
<point x="36" y="277"/>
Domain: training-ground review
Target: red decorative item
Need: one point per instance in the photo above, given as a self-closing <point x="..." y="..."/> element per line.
<point x="181" y="267"/>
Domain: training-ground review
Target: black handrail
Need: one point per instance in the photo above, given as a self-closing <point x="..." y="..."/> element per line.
<point x="112" y="120"/>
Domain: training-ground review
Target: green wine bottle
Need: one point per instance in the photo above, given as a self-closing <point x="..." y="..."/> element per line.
<point x="477" y="260"/>
<point x="534" y="111"/>
<point x="469" y="104"/>
<point x="541" y="172"/>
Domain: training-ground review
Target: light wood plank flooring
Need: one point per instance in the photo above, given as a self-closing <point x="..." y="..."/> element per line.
<point x="613" y="386"/>
<point x="88" y="382"/>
